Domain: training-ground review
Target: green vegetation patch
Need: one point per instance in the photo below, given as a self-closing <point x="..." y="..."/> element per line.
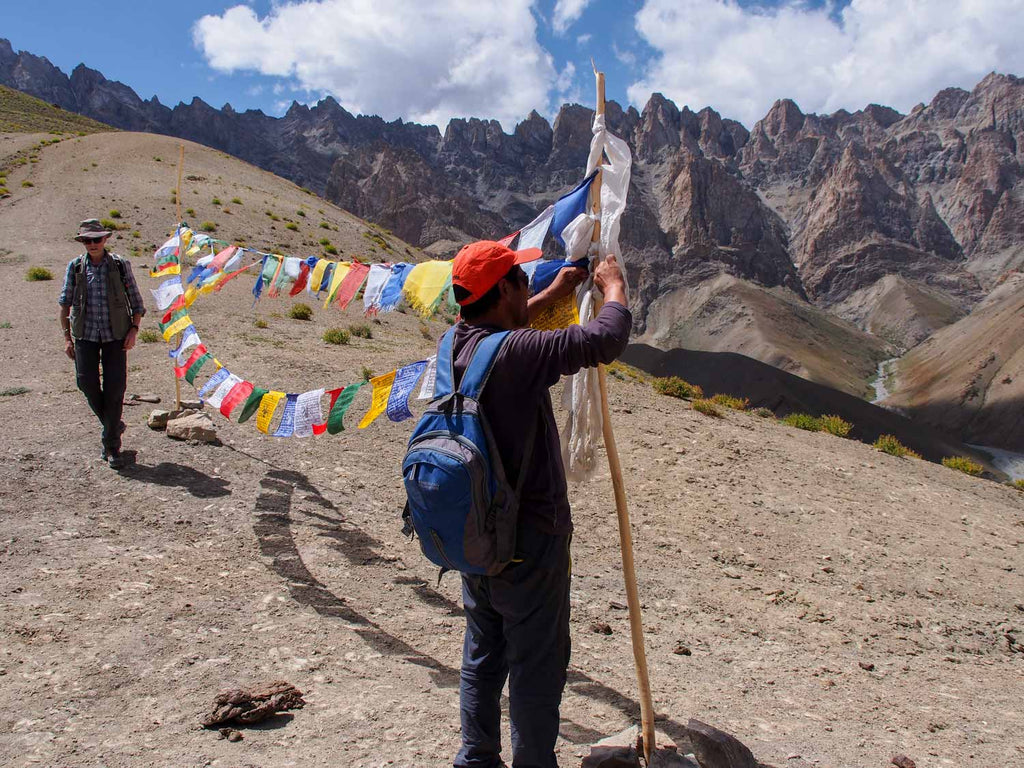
<point x="889" y="444"/>
<point x="728" y="401"/>
<point x="835" y="425"/>
<point x="292" y="226"/>
<point x="301" y="311"/>
<point x="803" y="421"/>
<point x="208" y="226"/>
<point x="37" y="274"/>
<point x="764" y="413"/>
<point x="367" y="373"/>
<point x="149" y="336"/>
<point x="259" y="322"/>
<point x="14" y="391"/>
<point x="336" y="336"/>
<point x="673" y="386"/>
<point x="964" y="464"/>
<point x="706" y="406"/>
<point x="360" y="331"/>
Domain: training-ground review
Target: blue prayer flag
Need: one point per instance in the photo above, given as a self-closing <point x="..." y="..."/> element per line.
<point x="569" y="206"/>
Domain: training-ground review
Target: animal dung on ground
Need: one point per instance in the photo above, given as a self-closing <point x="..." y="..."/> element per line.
<point x="251" y="705"/>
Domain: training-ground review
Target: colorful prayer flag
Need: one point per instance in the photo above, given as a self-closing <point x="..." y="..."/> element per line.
<point x="381" y="392"/>
<point x="375" y="281"/>
<point x="238" y="394"/>
<point x="165" y="294"/>
<point x="398" y="400"/>
<point x="336" y="419"/>
<point x="218" y="378"/>
<point x="341" y="269"/>
<point x="230" y="382"/>
<point x="287" y="425"/>
<point x="425" y="284"/>
<point x="252" y="404"/>
<point x="569" y="206"/>
<point x="268" y="404"/>
<point x="308" y="412"/>
<point x="177" y="326"/>
<point x="429" y="379"/>
<point x="189" y="338"/>
<point x="197" y="353"/>
<point x="318" y="275"/>
<point x="351" y="284"/>
<point x="533" y="234"/>
<point x="391" y="294"/>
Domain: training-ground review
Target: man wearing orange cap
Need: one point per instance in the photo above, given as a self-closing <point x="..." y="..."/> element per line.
<point x="517" y="622"/>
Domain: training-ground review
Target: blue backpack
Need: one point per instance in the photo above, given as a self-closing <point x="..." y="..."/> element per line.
<point x="459" y="502"/>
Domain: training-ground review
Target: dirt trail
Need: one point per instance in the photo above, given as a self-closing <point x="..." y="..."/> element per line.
<point x="838" y="604"/>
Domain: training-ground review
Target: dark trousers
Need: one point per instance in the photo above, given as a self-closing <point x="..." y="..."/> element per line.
<point x="517" y="627"/>
<point x="106" y="400"/>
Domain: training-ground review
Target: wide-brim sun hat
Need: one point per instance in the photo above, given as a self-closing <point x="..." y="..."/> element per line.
<point x="91" y="229"/>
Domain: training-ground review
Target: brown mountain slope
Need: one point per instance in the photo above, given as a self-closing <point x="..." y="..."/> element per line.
<point x="725" y="314"/>
<point x="969" y="378"/>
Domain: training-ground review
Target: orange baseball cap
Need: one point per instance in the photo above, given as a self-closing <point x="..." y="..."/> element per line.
<point x="480" y="265"/>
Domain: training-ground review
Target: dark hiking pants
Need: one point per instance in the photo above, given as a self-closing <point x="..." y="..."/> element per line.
<point x="106" y="399"/>
<point x="517" y="627"/>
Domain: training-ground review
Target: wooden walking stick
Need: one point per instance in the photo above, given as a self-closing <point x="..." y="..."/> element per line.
<point x="636" y="630"/>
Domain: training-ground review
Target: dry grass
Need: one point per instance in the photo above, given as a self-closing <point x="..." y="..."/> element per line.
<point x="728" y="401"/>
<point x="889" y="444"/>
<point x="963" y="464"/>
<point x="707" y="407"/>
<point x="673" y="386"/>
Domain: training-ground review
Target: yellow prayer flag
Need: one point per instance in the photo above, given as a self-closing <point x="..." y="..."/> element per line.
<point x="266" y="410"/>
<point x="190" y="296"/>
<point x="425" y="283"/>
<point x="561" y="314"/>
<point x="381" y="392"/>
<point x="172" y="270"/>
<point x="340" y="270"/>
<point x="176" y="327"/>
<point x="318" y="275"/>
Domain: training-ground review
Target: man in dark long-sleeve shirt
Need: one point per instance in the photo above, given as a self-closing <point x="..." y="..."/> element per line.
<point x="517" y="622"/>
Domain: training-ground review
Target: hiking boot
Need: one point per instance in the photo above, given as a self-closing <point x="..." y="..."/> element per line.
<point x="115" y="459"/>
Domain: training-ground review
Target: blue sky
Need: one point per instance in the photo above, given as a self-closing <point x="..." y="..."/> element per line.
<point x="429" y="61"/>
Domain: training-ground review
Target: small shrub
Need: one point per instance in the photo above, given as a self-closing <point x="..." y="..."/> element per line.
<point x="425" y="332"/>
<point x="12" y="391"/>
<point x="136" y="233"/>
<point x="728" y="401"/>
<point x="835" y="425"/>
<point x="330" y="249"/>
<point x="259" y="322"/>
<point x="4" y="190"/>
<point x="274" y="217"/>
<point x="6" y="324"/>
<point x="889" y="444"/>
<point x="149" y="336"/>
<point x="301" y="312"/>
<point x="336" y="336"/>
<point x="964" y="464"/>
<point x="1018" y="484"/>
<point x="324" y="225"/>
<point x="208" y="226"/>
<point x="764" y="413"/>
<point x="215" y="201"/>
<point x="155" y="157"/>
<point x="37" y="274"/>
<point x="325" y="241"/>
<point x="367" y="373"/>
<point x="27" y="183"/>
<point x="115" y="214"/>
<point x="301" y="213"/>
<point x="292" y="226"/>
<point x="360" y="331"/>
<point x="705" y="406"/>
<point x="803" y="421"/>
<point x="673" y="386"/>
<point x="112" y="225"/>
<point x="236" y="201"/>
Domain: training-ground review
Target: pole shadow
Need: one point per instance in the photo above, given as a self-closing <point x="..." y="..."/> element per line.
<point x="167" y="474"/>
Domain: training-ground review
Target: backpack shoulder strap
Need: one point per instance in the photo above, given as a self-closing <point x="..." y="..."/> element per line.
<point x="444" y="383"/>
<point x="480" y="365"/>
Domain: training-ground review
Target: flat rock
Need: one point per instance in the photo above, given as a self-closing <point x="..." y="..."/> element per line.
<point x="158" y="419"/>
<point x="192" y="405"/>
<point x="717" y="749"/>
<point x="623" y="751"/>
<point x="145" y="398"/>
<point x="197" y="427"/>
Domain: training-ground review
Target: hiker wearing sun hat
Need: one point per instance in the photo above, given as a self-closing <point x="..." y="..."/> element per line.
<point x="517" y="621"/>
<point x="100" y="312"/>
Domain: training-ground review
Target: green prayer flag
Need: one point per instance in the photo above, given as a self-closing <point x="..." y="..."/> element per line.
<point x="175" y="316"/>
<point x="252" y="404"/>
<point x="193" y="370"/>
<point x="335" y="419"/>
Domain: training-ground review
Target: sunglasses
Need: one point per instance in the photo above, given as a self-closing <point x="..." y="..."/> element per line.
<point x="91" y="240"/>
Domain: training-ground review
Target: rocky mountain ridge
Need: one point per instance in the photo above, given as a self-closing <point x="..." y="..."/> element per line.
<point x="897" y="224"/>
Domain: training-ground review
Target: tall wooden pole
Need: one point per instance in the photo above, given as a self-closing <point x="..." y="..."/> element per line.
<point x="636" y="630"/>
<point x="177" y="201"/>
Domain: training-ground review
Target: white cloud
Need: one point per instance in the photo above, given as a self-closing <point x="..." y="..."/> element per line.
<point x="583" y="39"/>
<point x="893" y="52"/>
<point x="417" y="60"/>
<point x="566" y="13"/>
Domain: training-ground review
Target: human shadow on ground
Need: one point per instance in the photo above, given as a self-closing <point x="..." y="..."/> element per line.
<point x="273" y="530"/>
<point x="197" y="483"/>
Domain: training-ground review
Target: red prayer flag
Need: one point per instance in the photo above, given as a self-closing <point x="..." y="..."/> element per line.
<point x="181" y="370"/>
<point x="319" y="429"/>
<point x="507" y="239"/>
<point x="300" y="281"/>
<point x="237" y="395"/>
<point x="351" y="283"/>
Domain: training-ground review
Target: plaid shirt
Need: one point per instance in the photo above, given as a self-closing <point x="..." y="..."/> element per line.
<point x="97" y="309"/>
